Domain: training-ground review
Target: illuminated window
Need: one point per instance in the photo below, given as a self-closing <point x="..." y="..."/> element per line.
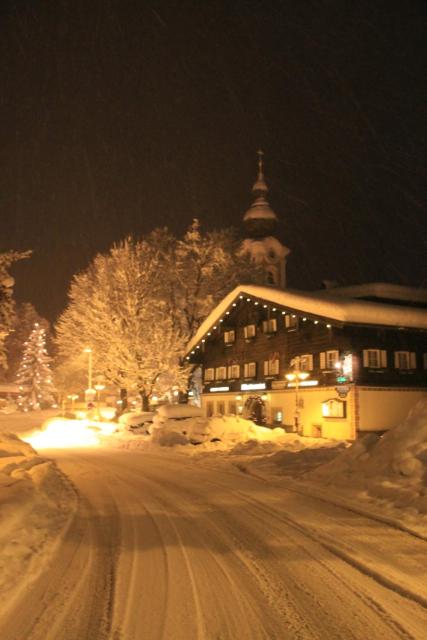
<point x="249" y="370"/>
<point x="277" y="415"/>
<point x="306" y="362"/>
<point x="332" y="357"/>
<point x="374" y="358"/>
<point x="271" y="367"/>
<point x="328" y="359"/>
<point x="229" y="336"/>
<point x="291" y="322"/>
<point x="209" y="375"/>
<point x="249" y="331"/>
<point x="221" y="373"/>
<point x="269" y="326"/>
<point x="334" y="408"/>
<point x="233" y="371"/>
<point x="405" y="360"/>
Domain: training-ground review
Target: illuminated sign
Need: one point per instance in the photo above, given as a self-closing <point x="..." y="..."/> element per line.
<point x="252" y="386"/>
<point x="216" y="389"/>
<point x="303" y="383"/>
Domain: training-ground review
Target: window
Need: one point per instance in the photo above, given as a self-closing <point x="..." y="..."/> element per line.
<point x="234" y="371"/>
<point x="269" y="326"/>
<point x="374" y="358"/>
<point x="405" y="360"/>
<point x="249" y="331"/>
<point x="291" y="322"/>
<point x="249" y="370"/>
<point x="306" y="362"/>
<point x="332" y="357"/>
<point x="232" y="407"/>
<point x="277" y="415"/>
<point x="271" y="367"/>
<point x="209" y="409"/>
<point x="209" y="375"/>
<point x="220" y="408"/>
<point x="334" y="408"/>
<point x="229" y="336"/>
<point x="328" y="359"/>
<point x="221" y="373"/>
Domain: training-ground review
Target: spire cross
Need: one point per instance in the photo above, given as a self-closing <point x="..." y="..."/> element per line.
<point x="260" y="162"/>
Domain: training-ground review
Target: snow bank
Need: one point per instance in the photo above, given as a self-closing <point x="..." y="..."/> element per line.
<point x="36" y="502"/>
<point x="392" y="467"/>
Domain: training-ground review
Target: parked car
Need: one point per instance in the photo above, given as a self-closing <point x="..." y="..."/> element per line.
<point x="137" y="419"/>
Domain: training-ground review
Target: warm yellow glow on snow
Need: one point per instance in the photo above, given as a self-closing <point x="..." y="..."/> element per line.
<point x="61" y="433"/>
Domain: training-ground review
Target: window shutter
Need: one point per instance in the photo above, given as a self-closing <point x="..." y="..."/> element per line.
<point x="266" y="367"/>
<point x="323" y="360"/>
<point x="384" y="359"/>
<point x="310" y="362"/>
<point x="265" y="326"/>
<point x="413" y="360"/>
<point x="365" y="358"/>
<point x="273" y="323"/>
<point x="396" y="359"/>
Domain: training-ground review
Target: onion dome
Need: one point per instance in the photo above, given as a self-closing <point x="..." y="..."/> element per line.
<point x="260" y="218"/>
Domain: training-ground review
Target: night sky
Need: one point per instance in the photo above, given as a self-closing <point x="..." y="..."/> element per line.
<point x="120" y="116"/>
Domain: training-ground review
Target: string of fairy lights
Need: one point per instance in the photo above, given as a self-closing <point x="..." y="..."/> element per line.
<point x="263" y="305"/>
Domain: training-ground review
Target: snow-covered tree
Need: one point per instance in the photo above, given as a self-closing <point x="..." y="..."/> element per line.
<point x="22" y="325"/>
<point x="7" y="307"/>
<point x="138" y="305"/>
<point x="206" y="267"/>
<point x="116" y="310"/>
<point x="34" y="375"/>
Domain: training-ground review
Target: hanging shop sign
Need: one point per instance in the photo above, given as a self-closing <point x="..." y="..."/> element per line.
<point x="342" y="390"/>
<point x="218" y="389"/>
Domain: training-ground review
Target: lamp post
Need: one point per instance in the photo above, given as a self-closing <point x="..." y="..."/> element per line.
<point x="72" y="397"/>
<point x="98" y="388"/>
<point x="90" y="392"/>
<point x="296" y="376"/>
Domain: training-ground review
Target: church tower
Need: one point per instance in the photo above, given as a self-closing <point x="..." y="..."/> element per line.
<point x="260" y="223"/>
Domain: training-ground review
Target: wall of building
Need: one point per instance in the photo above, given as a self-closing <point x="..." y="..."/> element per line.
<point x="311" y="421"/>
<point x="382" y="408"/>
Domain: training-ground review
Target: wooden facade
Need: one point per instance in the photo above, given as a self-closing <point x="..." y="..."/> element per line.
<point x="253" y="342"/>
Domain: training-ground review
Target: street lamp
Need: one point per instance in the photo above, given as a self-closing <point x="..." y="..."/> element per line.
<point x="296" y="376"/>
<point x="72" y="397"/>
<point x="98" y="388"/>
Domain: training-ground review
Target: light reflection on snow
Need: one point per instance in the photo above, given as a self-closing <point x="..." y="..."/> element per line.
<point x="63" y="433"/>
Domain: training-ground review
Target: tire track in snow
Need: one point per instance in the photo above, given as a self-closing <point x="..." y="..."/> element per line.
<point x="314" y="536"/>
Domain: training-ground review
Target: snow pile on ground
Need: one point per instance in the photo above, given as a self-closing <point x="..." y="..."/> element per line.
<point x="228" y="430"/>
<point x="185" y="429"/>
<point x="392" y="467"/>
<point x="36" y="502"/>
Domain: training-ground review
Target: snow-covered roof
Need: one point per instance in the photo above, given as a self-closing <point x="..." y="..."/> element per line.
<point x="328" y="307"/>
<point x="379" y="290"/>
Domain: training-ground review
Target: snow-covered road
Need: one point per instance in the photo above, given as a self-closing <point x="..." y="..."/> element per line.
<point x="165" y="547"/>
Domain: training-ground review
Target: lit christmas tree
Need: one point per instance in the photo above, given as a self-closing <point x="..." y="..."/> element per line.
<point x="34" y="375"/>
